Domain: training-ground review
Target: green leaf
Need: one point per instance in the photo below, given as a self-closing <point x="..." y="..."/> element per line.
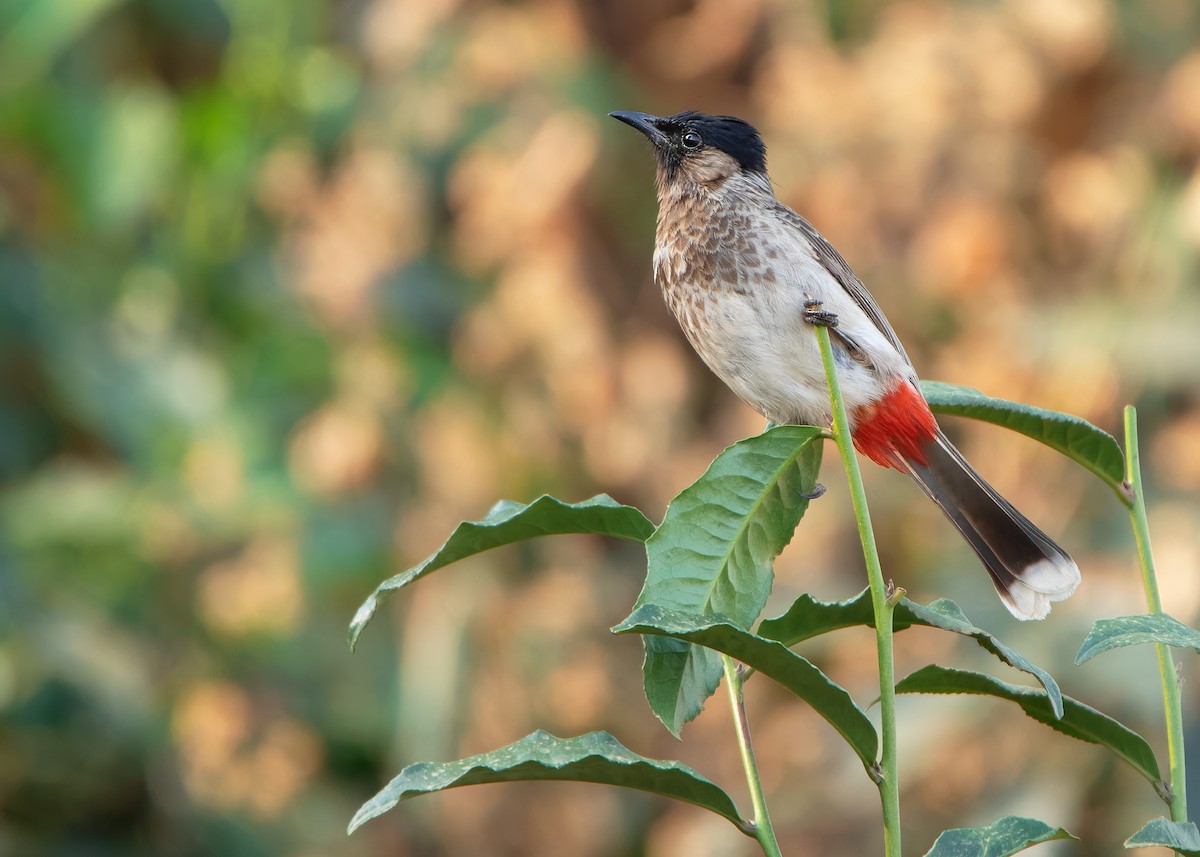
<point x="1078" y="721"/>
<point x="596" y="757"/>
<point x="944" y="613"/>
<point x="1182" y="836"/>
<point x="1000" y="839"/>
<point x="1075" y="438"/>
<point x="509" y="522"/>
<point x="770" y="658"/>
<point x="809" y="617"/>
<point x="1109" y="634"/>
<point x="715" y="552"/>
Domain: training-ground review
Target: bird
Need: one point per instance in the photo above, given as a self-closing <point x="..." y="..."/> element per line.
<point x="747" y="278"/>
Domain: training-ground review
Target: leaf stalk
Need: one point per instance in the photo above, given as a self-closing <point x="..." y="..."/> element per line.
<point x="1175" y="792"/>
<point x="888" y="775"/>
<point x="762" y="829"/>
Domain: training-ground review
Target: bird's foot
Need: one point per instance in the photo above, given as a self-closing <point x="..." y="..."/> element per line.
<point x="814" y="315"/>
<point x="818" y="491"/>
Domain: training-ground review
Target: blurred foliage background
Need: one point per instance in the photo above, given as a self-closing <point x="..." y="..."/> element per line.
<point x="289" y="287"/>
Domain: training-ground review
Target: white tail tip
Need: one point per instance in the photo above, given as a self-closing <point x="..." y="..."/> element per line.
<point x="1046" y="581"/>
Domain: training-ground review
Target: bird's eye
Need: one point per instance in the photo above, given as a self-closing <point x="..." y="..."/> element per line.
<point x="692" y="140"/>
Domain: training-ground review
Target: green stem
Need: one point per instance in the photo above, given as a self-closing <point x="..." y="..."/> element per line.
<point x="1172" y="703"/>
<point x="887" y="776"/>
<point x="763" y="831"/>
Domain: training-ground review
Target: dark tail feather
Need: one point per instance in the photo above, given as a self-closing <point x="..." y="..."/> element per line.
<point x="1028" y="569"/>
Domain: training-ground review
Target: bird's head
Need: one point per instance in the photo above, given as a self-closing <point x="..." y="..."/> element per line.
<point x="699" y="150"/>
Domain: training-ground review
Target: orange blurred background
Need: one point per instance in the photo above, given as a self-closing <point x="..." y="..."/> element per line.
<point x="287" y="289"/>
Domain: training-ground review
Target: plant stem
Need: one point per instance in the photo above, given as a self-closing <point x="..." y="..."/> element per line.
<point x="763" y="831"/>
<point x="888" y="776"/>
<point x="1172" y="704"/>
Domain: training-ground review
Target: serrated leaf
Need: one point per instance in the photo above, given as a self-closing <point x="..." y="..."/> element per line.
<point x="1009" y="835"/>
<point x="1076" y="438"/>
<point x="509" y="522"/>
<point x="772" y="659"/>
<point x="809" y="617"/>
<point x="596" y="757"/>
<point x="1078" y="721"/>
<point x="714" y="554"/>
<point x="1108" y="634"/>
<point x="945" y="614"/>
<point x="1182" y="836"/>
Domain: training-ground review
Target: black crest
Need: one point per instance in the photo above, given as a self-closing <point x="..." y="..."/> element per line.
<point x="735" y="137"/>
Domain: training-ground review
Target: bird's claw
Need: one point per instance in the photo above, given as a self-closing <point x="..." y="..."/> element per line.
<point x="814" y="315"/>
<point x="818" y="491"/>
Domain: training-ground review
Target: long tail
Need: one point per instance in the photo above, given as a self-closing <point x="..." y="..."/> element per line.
<point x="1027" y="567"/>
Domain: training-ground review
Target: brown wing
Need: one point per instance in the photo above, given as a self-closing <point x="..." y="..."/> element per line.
<point x="836" y="265"/>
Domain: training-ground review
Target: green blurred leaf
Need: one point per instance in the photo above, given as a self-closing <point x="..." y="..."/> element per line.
<point x="772" y="659"/>
<point x="999" y="839"/>
<point x="1107" y="634"/>
<point x="1075" y="438"/>
<point x="72" y="503"/>
<point x="36" y="32"/>
<point x="132" y="155"/>
<point x="1182" y="837"/>
<point x="714" y="554"/>
<point x="596" y="757"/>
<point x="809" y="617"/>
<point x="509" y="522"/>
<point x="1078" y="721"/>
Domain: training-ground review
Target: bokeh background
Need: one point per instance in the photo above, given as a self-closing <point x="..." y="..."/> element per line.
<point x="289" y="287"/>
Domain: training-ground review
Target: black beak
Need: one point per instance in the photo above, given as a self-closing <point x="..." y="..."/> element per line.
<point x="644" y="122"/>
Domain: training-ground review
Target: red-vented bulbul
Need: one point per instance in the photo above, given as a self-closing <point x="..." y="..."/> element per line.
<point x="741" y="272"/>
